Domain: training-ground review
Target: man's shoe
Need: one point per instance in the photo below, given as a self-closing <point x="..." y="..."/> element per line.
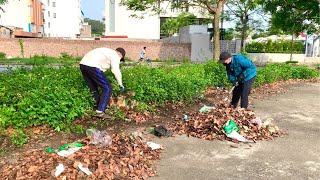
<point x="103" y="116"/>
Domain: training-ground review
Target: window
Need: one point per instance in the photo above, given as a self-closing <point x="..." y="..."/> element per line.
<point x="48" y="2"/>
<point x="54" y="15"/>
<point x="54" y="4"/>
<point x="48" y="24"/>
<point x="48" y="13"/>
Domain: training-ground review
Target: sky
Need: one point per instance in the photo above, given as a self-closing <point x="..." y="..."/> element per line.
<point x="93" y="9"/>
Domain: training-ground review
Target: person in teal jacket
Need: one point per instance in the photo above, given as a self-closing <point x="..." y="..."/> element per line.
<point x="241" y="72"/>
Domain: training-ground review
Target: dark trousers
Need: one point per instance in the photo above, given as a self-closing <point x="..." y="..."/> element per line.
<point x="95" y="78"/>
<point x="243" y="91"/>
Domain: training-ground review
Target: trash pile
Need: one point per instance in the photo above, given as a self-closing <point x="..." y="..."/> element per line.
<point x="224" y="123"/>
<point x="97" y="156"/>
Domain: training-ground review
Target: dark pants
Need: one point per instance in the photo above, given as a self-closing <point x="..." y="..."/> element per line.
<point x="243" y="91"/>
<point x="95" y="78"/>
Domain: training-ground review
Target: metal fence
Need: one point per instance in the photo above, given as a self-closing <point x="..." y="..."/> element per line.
<point x="232" y="46"/>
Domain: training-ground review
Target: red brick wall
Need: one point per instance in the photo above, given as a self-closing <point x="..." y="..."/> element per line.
<point x="53" y="47"/>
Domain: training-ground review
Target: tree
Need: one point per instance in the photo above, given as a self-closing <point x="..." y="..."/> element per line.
<point x="2" y="2"/>
<point x="294" y="16"/>
<point x="245" y="12"/>
<point x="229" y="34"/>
<point x="97" y="27"/>
<point x="213" y="7"/>
<point x="172" y="25"/>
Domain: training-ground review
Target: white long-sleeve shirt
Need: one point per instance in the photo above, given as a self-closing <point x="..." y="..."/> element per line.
<point x="104" y="58"/>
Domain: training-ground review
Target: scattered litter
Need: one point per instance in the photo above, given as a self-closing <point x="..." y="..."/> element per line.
<point x="237" y="136"/>
<point x="66" y="146"/>
<point x="137" y="134"/>
<point x="185" y="117"/>
<point x="59" y="169"/>
<point x="99" y="137"/>
<point x="85" y="170"/>
<point x="153" y="145"/>
<point x="68" y="152"/>
<point x="257" y="121"/>
<point x="230" y="126"/>
<point x="270" y="126"/>
<point x="121" y="101"/>
<point x="206" y="108"/>
<point x="267" y="122"/>
<point x="50" y="150"/>
<point x="161" y="131"/>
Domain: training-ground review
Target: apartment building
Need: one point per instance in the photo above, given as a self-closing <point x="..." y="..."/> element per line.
<point x="62" y="18"/>
<point x="119" y="23"/>
<point x="23" y="17"/>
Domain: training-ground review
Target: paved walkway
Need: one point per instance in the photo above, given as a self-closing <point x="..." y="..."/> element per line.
<point x="295" y="156"/>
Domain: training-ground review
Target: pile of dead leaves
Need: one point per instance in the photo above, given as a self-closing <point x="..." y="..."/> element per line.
<point x="209" y="125"/>
<point x="126" y="158"/>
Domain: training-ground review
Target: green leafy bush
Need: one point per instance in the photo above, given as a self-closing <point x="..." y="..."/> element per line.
<point x="43" y="95"/>
<point x="278" y="71"/>
<point x="3" y="55"/>
<point x="56" y="96"/>
<point x="274" y="47"/>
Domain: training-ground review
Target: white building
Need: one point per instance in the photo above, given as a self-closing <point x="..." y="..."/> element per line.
<point x="119" y="23"/>
<point x="62" y="18"/>
<point x="23" y="16"/>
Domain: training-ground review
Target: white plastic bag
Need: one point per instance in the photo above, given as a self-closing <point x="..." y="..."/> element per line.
<point x="237" y="136"/>
<point x="99" y="137"/>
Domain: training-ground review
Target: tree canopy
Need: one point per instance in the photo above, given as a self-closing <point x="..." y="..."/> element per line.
<point x="212" y="7"/>
<point x="97" y="27"/>
<point x="294" y="16"/>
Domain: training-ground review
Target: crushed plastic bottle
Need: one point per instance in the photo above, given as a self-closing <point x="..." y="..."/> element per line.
<point x="99" y="137"/>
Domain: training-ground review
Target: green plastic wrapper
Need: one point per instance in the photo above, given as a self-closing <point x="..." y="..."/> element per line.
<point x="230" y="126"/>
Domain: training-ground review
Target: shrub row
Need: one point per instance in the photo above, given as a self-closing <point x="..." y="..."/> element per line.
<point x="274" y="47"/>
<point x="55" y="96"/>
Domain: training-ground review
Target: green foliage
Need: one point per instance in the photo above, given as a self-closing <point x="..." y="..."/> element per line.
<point x="43" y="95"/>
<point x="3" y="1"/>
<point x="56" y="96"/>
<point x="41" y="60"/>
<point x="274" y="47"/>
<point x="172" y="25"/>
<point x="244" y="13"/>
<point x="294" y="16"/>
<point x="276" y="72"/>
<point x="291" y="62"/>
<point x="21" y="47"/>
<point x="18" y="137"/>
<point x="2" y="55"/>
<point x="97" y="27"/>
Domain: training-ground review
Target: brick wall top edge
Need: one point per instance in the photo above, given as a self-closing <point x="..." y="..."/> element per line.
<point x="90" y="41"/>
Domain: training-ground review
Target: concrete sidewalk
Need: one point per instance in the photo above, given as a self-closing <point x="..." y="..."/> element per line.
<point x="294" y="156"/>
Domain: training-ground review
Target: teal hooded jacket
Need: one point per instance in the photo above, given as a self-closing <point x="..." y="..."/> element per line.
<point x="240" y="64"/>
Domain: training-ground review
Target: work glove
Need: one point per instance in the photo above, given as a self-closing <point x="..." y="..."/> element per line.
<point x="121" y="88"/>
<point x="240" y="78"/>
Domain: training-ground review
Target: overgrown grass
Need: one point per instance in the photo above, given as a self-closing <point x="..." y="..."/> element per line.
<point x="38" y="60"/>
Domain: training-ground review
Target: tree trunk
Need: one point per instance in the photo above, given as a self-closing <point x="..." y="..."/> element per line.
<point x="291" y="47"/>
<point x="243" y="31"/>
<point x="216" y="33"/>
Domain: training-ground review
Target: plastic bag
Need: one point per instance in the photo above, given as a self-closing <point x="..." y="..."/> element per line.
<point x="237" y="136"/>
<point x="206" y="108"/>
<point x="99" y="137"/>
<point x="230" y="126"/>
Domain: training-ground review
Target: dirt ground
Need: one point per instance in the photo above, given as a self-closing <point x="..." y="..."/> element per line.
<point x="293" y="156"/>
